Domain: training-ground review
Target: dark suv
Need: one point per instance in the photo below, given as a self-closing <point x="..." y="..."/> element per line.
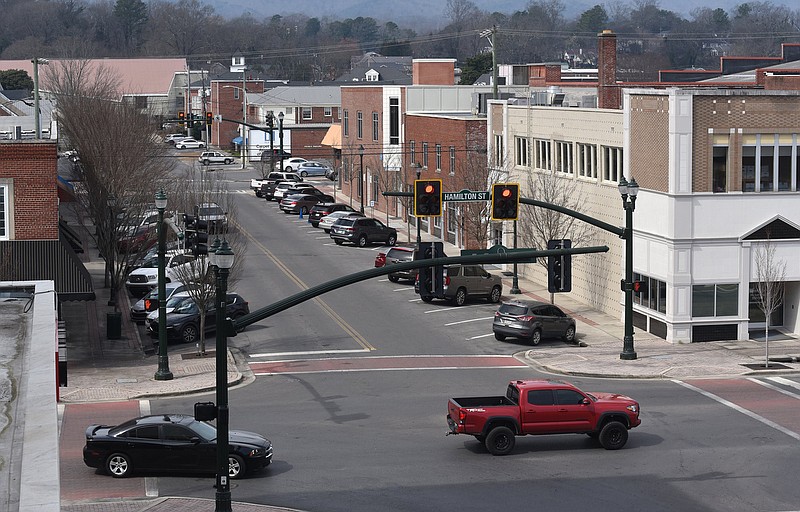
<point x="532" y="321"/>
<point x="400" y="255"/>
<point x="362" y="231"/>
<point x="322" y="209"/>
<point x="466" y="281"/>
<point x="183" y="322"/>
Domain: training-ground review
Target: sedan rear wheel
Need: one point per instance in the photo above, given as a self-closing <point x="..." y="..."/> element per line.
<point x="499" y="337"/>
<point x="189" y="333"/>
<point x="119" y="465"/>
<point x="303" y="174"/>
<point x="569" y="335"/>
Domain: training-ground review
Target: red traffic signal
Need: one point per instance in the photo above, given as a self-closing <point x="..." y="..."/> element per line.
<point x="209" y="118"/>
<point x="640" y="287"/>
<point x="428" y="198"/>
<point x="505" y="201"/>
<point x="181" y="117"/>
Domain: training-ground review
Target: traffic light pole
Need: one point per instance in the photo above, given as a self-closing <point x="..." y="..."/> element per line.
<point x="515" y="281"/>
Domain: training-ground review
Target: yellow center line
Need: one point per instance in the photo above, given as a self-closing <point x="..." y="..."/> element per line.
<point x="325" y="307"/>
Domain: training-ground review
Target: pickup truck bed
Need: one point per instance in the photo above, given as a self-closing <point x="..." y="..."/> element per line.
<point x="482" y="401"/>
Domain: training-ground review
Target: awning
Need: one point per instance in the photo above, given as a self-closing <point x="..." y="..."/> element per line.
<point x="51" y="260"/>
<point x="237" y="140"/>
<point x="66" y="191"/>
<point x="333" y="137"/>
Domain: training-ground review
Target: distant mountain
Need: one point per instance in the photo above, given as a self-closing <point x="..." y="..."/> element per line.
<point x="424" y="13"/>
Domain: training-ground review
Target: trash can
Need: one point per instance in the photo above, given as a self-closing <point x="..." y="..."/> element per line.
<point x="114" y="325"/>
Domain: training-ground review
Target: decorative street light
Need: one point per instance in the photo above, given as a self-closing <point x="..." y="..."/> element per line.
<point x="628" y="190"/>
<point x="361" y="176"/>
<point x="163" y="372"/>
<point x="280" y="136"/>
<point x="112" y="249"/>
<point x="222" y="262"/>
<point x="418" y="169"/>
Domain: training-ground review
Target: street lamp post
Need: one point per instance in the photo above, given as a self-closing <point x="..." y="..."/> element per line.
<point x="361" y="176"/>
<point x="418" y="168"/>
<point x="628" y="190"/>
<point x="163" y="372"/>
<point x="515" y="281"/>
<point x="112" y="250"/>
<point x="244" y="118"/>
<point x="270" y="121"/>
<point x="222" y="261"/>
<point x="280" y="136"/>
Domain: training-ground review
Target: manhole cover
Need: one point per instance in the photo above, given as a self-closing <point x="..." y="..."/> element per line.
<point x="772" y="366"/>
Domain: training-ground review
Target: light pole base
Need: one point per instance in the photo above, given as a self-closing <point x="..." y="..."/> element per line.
<point x="162" y="374"/>
<point x="223" y="501"/>
<point x="627" y="356"/>
<point x="515" y="290"/>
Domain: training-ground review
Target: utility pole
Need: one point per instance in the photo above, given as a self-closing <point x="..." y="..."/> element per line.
<point x="489" y="34"/>
<point x="37" y="122"/>
<point x="244" y="117"/>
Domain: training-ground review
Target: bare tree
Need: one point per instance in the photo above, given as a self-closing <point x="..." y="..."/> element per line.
<point x="770" y="276"/>
<point x="119" y="161"/>
<point x="198" y="188"/>
<point x="539" y="225"/>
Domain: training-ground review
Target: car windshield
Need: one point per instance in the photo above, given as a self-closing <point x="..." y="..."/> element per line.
<point x="150" y="263"/>
<point x="176" y="300"/>
<point x="210" y="210"/>
<point x="185" y="306"/>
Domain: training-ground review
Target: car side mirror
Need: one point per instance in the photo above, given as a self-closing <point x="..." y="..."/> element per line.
<point x="585" y="401"/>
<point x="195" y="440"/>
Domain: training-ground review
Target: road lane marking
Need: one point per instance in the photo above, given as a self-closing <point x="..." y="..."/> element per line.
<point x="481" y="336"/>
<point x="309" y="353"/>
<point x="785" y="382"/>
<point x="742" y="410"/>
<point x="385" y="363"/>
<point x="440" y="310"/>
<point x="776" y="388"/>
<point x="470" y="320"/>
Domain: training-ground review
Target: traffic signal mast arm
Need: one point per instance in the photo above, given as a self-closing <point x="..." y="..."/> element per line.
<point x="233" y="326"/>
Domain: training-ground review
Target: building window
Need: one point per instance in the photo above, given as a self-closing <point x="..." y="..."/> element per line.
<point x="563" y="161"/>
<point x="719" y="165"/>
<point x="425" y="155"/>
<point x="499" y="151"/>
<point x="438" y="157"/>
<point x="307" y="113"/>
<point x="757" y="314"/>
<point x="655" y="297"/>
<point x="587" y="160"/>
<point x="236" y="93"/>
<point x="767" y="163"/>
<point x="394" y="121"/>
<point x="521" y="151"/>
<point x="4" y="213"/>
<point x="452" y="160"/>
<point x="542" y="154"/>
<point x="715" y="300"/>
<point x="327" y="112"/>
<point x="612" y="163"/>
<point x="412" y="151"/>
<point x="375" y="126"/>
<point x="359" y="125"/>
<point x="345" y="123"/>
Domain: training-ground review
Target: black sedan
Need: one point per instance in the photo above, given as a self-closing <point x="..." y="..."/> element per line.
<point x="171" y="442"/>
<point x="183" y="322"/>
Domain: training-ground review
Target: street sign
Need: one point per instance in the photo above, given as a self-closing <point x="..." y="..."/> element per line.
<point x="497" y="249"/>
<point x="218" y="118"/>
<point x="466" y="195"/>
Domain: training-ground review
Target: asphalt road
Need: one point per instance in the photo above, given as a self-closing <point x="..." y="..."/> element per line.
<point x="357" y="428"/>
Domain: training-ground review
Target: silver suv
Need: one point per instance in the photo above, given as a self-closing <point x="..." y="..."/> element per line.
<point x="214" y="157"/>
<point x="463" y="281"/>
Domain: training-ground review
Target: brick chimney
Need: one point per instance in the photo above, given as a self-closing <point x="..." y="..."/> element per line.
<point x="608" y="92"/>
<point x="433" y="71"/>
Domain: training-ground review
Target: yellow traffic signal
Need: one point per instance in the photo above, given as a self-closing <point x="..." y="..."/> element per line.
<point x="505" y="201"/>
<point x="428" y="198"/>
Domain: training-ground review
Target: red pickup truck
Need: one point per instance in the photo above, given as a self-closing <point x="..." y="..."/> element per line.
<point x="534" y="407"/>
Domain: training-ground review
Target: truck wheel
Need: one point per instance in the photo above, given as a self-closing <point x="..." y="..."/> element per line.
<point x="500" y="441"/>
<point x="427" y="298"/>
<point x="536" y="337"/>
<point x="393" y="279"/>
<point x="460" y="297"/>
<point x="613" y="436"/>
<point x="494" y="297"/>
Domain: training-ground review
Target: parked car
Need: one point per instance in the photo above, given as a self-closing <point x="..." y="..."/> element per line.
<point x="320" y="210"/>
<point x="172" y="138"/>
<point x="138" y="239"/>
<point x="214" y="215"/>
<point x="214" y="157"/>
<point x="532" y="321"/>
<point x="171" y="442"/>
<point x="380" y="260"/>
<point x="277" y="153"/>
<point x="397" y="255"/>
<point x="183" y="322"/>
<point x="149" y="302"/>
<point x="272" y="178"/>
<point x="465" y="281"/>
<point x="281" y="189"/>
<point x="291" y="164"/>
<point x="328" y="221"/>
<point x="177" y="299"/>
<point x="362" y="231"/>
<point x="312" y="168"/>
<point x="145" y="278"/>
<point x="302" y="203"/>
<point x="189" y="143"/>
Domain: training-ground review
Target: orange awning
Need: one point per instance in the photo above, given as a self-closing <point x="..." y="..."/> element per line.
<point x="333" y="137"/>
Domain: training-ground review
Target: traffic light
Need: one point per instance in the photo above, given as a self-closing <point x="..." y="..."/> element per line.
<point x="559" y="268"/>
<point x="209" y="118"/>
<point x="431" y="279"/>
<point x="427" y="198"/>
<point x="505" y="201"/>
<point x="196" y="234"/>
<point x="640" y="287"/>
<point x="181" y="117"/>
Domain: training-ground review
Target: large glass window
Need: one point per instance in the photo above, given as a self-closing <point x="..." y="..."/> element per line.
<point x="612" y="163"/>
<point x="521" y="151"/>
<point x="720" y="168"/>
<point x="542" y="154"/>
<point x="587" y="160"/>
<point x="769" y="162"/>
<point x="655" y="296"/>
<point x="394" y="121"/>
<point x="563" y="161"/>
<point x="757" y="314"/>
<point x="715" y="300"/>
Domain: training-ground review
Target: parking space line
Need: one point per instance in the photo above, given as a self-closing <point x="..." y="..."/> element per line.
<point x="470" y="320"/>
<point x="481" y="336"/>
<point x="440" y="310"/>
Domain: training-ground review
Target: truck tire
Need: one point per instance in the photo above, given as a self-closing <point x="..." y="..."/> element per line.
<point x="460" y="297"/>
<point x="495" y="295"/>
<point x="500" y="441"/>
<point x="613" y="436"/>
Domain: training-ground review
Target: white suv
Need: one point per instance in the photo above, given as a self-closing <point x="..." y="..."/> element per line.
<point x="214" y="157"/>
